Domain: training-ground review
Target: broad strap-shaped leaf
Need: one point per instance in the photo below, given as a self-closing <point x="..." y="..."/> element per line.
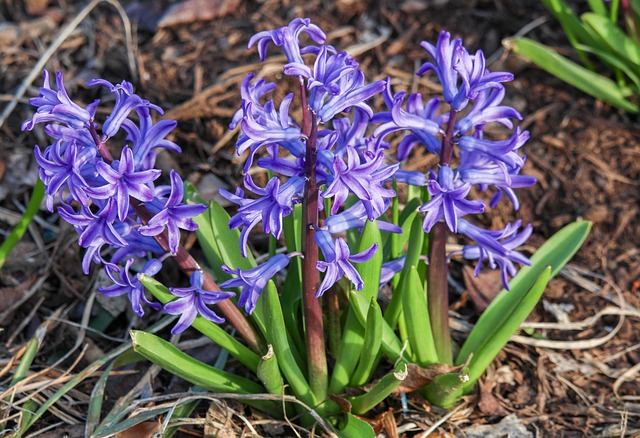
<point x="353" y="426"/>
<point x="613" y="36"/>
<point x="585" y="80"/>
<point x="510" y="308"/>
<point x="371" y="351"/>
<point x="418" y="325"/>
<point x="382" y="389"/>
<point x="206" y="327"/>
<point x="496" y="337"/>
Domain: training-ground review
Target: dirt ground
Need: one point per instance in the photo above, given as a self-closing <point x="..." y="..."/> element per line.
<point x="577" y="375"/>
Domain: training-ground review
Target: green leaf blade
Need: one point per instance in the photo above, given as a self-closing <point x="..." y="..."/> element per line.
<point x="568" y="71"/>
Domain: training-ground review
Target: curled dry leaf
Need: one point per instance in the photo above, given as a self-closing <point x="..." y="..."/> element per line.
<point x="418" y="377"/>
<point x="189" y="11"/>
<point x="483" y="288"/>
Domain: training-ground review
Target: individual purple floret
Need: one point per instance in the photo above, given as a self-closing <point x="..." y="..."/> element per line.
<point x="275" y="202"/>
<point x="362" y="177"/>
<point x="173" y="215"/>
<point x="252" y="281"/>
<point x="123" y="181"/>
<point x="57" y="107"/>
<point x="509" y="239"/>
<point x="193" y="301"/>
<point x="338" y="259"/>
<point x="287" y="38"/>
<point x="448" y="201"/>
<point x="124" y="283"/>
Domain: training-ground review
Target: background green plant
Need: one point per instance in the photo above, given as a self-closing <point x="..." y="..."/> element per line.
<point x="607" y="34"/>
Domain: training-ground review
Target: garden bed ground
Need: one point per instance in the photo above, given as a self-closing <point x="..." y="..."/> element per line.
<point x="586" y="156"/>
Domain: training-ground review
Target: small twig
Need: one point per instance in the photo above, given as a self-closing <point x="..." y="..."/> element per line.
<point x="438" y="423"/>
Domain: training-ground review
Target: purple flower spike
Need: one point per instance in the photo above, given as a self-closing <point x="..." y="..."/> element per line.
<point x="252" y="281"/>
<point x="338" y="261"/>
<point x="193" y="301"/>
<point x="124" y="284"/>
<point x="287" y="38"/>
<point x="174" y="215"/>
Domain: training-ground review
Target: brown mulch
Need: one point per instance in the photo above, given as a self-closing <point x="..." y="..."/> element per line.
<point x="585" y="155"/>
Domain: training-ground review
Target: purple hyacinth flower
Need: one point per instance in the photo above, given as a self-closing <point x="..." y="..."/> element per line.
<point x="356" y="217"/>
<point x="448" y="201"/>
<point x="252" y="281"/>
<point x="417" y="118"/>
<point x="487" y="109"/>
<point x="475" y="77"/>
<point x="504" y="151"/>
<point x="174" y="215"/>
<point x="509" y="239"/>
<point x="124" y="182"/>
<point x="265" y="126"/>
<point x="147" y="136"/>
<point x="251" y="93"/>
<point x="275" y="202"/>
<point x="95" y="226"/>
<point x="58" y="107"/>
<point x="444" y="54"/>
<point x="193" y="301"/>
<point x="337" y="261"/>
<point x="126" y="101"/>
<point x="364" y="178"/>
<point x="390" y="269"/>
<point x="61" y="166"/>
<point x="138" y="246"/>
<point x="287" y="38"/>
<point x="125" y="284"/>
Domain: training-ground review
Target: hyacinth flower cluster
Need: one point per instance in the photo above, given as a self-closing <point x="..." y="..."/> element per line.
<point x="321" y="158"/>
<point x="330" y="192"/>
<point x="453" y="128"/>
<point x="126" y="222"/>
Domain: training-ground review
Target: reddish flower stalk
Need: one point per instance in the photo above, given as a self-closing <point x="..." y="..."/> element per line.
<point x="188" y="264"/>
<point x="314" y="330"/>
<point x="437" y="286"/>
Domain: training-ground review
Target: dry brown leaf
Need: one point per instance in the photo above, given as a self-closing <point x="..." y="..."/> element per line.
<point x="344" y="404"/>
<point x="483" y="288"/>
<point x="418" y="377"/>
<point x="36" y="7"/>
<point x="189" y="11"/>
<point x="388" y="424"/>
<point x="146" y="429"/>
<point x="488" y="403"/>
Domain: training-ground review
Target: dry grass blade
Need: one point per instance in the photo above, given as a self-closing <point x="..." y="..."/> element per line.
<point x="627" y="375"/>
<point x="55" y="45"/>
